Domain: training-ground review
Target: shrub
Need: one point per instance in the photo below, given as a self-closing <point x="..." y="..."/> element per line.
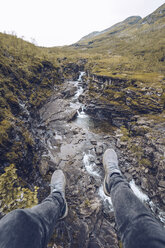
<point x="12" y="195"/>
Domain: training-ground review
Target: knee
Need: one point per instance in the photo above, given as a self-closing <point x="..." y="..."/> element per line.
<point x="23" y="228"/>
<point x="20" y="219"/>
<point x="26" y="222"/>
<point x="18" y="215"/>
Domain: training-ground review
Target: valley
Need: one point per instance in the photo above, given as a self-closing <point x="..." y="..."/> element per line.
<point x="62" y="107"/>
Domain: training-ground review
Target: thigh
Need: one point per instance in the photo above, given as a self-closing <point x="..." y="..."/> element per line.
<point x="20" y="229"/>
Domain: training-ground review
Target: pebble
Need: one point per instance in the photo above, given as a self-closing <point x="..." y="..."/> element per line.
<point x="93" y="142"/>
<point x="128" y="176"/>
<point x="97" y="162"/>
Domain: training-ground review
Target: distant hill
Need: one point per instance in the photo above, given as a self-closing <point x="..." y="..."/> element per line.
<point x="129" y="22"/>
<point x="120" y="26"/>
<point x="134" y="46"/>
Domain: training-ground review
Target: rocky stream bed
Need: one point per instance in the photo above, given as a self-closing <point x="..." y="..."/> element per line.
<point x="75" y="142"/>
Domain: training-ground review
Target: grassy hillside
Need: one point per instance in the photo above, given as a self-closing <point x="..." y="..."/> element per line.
<point x="131" y="53"/>
<point x="135" y="50"/>
<point x="27" y="78"/>
<point x="28" y="75"/>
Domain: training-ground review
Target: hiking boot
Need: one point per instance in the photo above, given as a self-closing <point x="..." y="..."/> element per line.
<point x="57" y="184"/>
<point x="110" y="163"/>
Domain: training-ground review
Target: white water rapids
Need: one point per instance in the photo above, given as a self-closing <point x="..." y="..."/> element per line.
<point x="92" y="169"/>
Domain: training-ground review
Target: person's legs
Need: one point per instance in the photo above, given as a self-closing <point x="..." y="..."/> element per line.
<point x="32" y="228"/>
<point x="136" y="225"/>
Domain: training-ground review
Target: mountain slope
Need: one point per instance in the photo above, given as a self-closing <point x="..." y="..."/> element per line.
<point x="155" y="16"/>
<point x="26" y="81"/>
<point x="117" y="27"/>
<point x="133" y="47"/>
<point x="91" y="35"/>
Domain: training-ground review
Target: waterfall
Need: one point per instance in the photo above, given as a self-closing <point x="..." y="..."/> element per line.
<point x="82" y="73"/>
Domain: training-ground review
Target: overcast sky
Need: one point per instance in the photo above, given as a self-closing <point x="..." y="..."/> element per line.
<point x="63" y="22"/>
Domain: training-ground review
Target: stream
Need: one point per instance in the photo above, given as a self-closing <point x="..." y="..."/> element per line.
<point x="86" y="122"/>
<point x="75" y="142"/>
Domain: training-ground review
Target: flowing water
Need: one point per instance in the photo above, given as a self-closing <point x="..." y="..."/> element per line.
<point x="84" y="121"/>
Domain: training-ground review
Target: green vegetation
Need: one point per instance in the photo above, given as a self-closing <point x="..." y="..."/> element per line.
<point x="120" y="244"/>
<point x="27" y="78"/>
<point x="26" y="74"/>
<point x="87" y="203"/>
<point x="134" y="51"/>
<point x="155" y="118"/>
<point x="132" y="55"/>
<point x="136" y="149"/>
<point x="145" y="162"/>
<point x="125" y="134"/>
<point x="12" y="194"/>
<point x="126" y="71"/>
<point x="5" y="126"/>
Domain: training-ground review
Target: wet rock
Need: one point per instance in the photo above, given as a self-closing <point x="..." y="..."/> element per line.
<point x="99" y="150"/>
<point x="118" y="143"/>
<point x="162" y="184"/>
<point x="149" y="151"/>
<point x="90" y="206"/>
<point x="71" y="115"/>
<point x="97" y="162"/>
<point x="91" y="159"/>
<point x="137" y="181"/>
<point x="62" y="164"/>
<point x="69" y="92"/>
<point x="76" y="131"/>
<point x="106" y="238"/>
<point x="122" y="144"/>
<point x="140" y="130"/>
<point x="44" y="166"/>
<point x="160" y="141"/>
<point x="128" y="176"/>
<point x="144" y="183"/>
<point x="163" y="197"/>
<point x="93" y="142"/>
<point x="107" y="137"/>
<point x="55" y="142"/>
<point x="89" y="212"/>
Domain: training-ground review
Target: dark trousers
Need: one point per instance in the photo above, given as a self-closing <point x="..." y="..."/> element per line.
<point x="136" y="225"/>
<point x="32" y="228"/>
